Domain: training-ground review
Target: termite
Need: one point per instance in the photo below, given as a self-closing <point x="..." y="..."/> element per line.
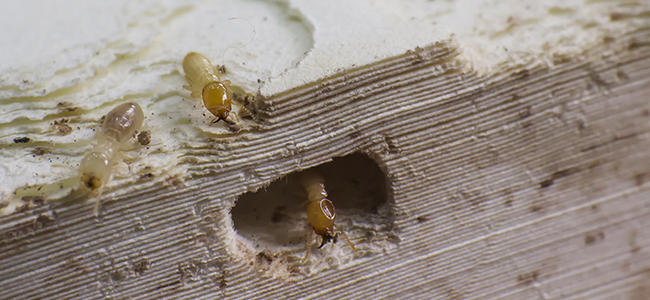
<point x="119" y="127"/>
<point x="320" y="212"/>
<point x="205" y="83"/>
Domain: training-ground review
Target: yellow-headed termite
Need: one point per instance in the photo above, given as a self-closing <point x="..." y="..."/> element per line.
<point x="320" y="211"/>
<point x="205" y="83"/>
<point x="119" y="126"/>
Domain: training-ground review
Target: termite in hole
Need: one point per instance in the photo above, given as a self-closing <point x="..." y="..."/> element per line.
<point x="118" y="128"/>
<point x="320" y="211"/>
<point x="205" y="83"/>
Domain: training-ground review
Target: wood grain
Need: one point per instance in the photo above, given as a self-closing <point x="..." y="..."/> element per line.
<point x="529" y="184"/>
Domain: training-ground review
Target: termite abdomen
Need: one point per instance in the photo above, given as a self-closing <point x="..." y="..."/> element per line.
<point x="123" y="121"/>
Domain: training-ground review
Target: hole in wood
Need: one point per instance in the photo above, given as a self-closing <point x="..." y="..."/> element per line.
<point x="273" y="221"/>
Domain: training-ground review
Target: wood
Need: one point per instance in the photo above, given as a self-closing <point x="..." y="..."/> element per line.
<point x="530" y="184"/>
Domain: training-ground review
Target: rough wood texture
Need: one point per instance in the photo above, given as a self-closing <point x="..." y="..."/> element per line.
<point x="531" y="184"/>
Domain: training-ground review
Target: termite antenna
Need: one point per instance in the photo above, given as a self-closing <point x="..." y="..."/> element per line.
<point x="98" y="203"/>
<point x="223" y="61"/>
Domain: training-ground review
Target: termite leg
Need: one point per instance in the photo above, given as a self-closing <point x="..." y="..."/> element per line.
<point x="346" y="238"/>
<point x="98" y="203"/>
<point x="311" y="232"/>
<point x="96" y="209"/>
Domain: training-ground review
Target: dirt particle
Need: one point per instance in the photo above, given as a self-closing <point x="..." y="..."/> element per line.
<point x="30" y="202"/>
<point x="597" y="79"/>
<point x="168" y="284"/>
<point x="564" y="173"/>
<point x="546" y="183"/>
<point x="536" y="208"/>
<point x="221" y="282"/>
<point x="61" y="127"/>
<point x="44" y="220"/>
<point x="117" y="275"/>
<point x="33" y="201"/>
<point x="146" y="176"/>
<point x="631" y="239"/>
<point x="144" y="138"/>
<point x="22" y="140"/>
<point x="521" y="74"/>
<point x="558" y="175"/>
<point x="267" y="256"/>
<point x="65" y="106"/>
<point x="528" y="278"/>
<point x="422" y="219"/>
<point x="524" y="113"/>
<point x="141" y="266"/>
<point x="590" y="239"/>
<point x="234" y="127"/>
<point x="597" y="163"/>
<point x="580" y="124"/>
<point x="40" y="151"/>
<point x="616" y="16"/>
<point x="640" y="179"/>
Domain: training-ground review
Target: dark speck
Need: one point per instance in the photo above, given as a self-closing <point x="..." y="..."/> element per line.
<point x="21" y="140"/>
<point x="146" y="176"/>
<point x="546" y="183"/>
<point x="528" y="277"/>
<point x="144" y="138"/>
<point x="277" y="215"/>
<point x="141" y="266"/>
<point x="39" y="151"/>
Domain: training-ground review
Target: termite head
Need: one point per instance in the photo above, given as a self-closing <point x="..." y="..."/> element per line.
<point x="94" y="171"/>
<point x="321" y="215"/>
<point x="217" y="98"/>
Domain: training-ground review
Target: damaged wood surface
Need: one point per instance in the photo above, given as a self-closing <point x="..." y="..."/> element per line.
<point x="529" y="184"/>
